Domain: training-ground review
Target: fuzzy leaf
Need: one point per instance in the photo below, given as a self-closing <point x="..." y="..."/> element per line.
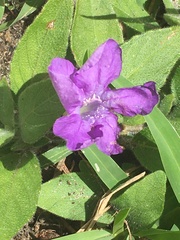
<point x="38" y="107"/>
<point x="94" y="16"/>
<point x="150" y="56"/>
<point x="20" y="182"/>
<point x="134" y="16"/>
<point x="71" y="196"/>
<point x="45" y="38"/>
<point x="145" y="200"/>
<point x="6" y="105"/>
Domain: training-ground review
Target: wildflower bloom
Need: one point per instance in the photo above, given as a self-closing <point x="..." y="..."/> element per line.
<point x="89" y="102"/>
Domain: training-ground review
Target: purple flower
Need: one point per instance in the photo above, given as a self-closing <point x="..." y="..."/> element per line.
<point x="89" y="102"/>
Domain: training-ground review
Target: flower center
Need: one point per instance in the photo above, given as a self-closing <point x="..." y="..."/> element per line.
<point x="90" y="107"/>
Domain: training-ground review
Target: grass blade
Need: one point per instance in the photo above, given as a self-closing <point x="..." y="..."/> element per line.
<point x="168" y="142"/>
<point x="105" y="167"/>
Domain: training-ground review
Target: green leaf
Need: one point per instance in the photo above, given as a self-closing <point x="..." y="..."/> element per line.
<point x="146" y="151"/>
<point x="171" y="212"/>
<point x="20" y="182"/>
<point x="38" y="107"/>
<point x="28" y="7"/>
<point x="141" y="3"/>
<point x="45" y="38"/>
<point x="135" y="16"/>
<point x="172" y="19"/>
<point x="159" y="234"/>
<point x="53" y="156"/>
<point x="171" y="6"/>
<point x="6" y="105"/>
<point x="145" y="200"/>
<point x="167" y="141"/>
<point x="175" y="85"/>
<point x="5" y="136"/>
<point x="90" y="235"/>
<point x="174" y="117"/>
<point x="71" y="196"/>
<point x="150" y="56"/>
<point x="97" y="17"/>
<point x="118" y="226"/>
<point x="2" y="7"/>
<point x="105" y="167"/>
<point x="166" y="104"/>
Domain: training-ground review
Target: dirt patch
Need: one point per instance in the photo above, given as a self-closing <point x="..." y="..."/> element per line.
<point x="9" y="40"/>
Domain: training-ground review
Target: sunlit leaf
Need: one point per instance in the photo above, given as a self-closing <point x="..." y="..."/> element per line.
<point x="93" y="24"/>
<point x="73" y="196"/>
<point x="145" y="200"/>
<point x="167" y="141"/>
<point x="45" y="38"/>
<point x="20" y="182"/>
<point x="38" y="107"/>
<point x="105" y="167"/>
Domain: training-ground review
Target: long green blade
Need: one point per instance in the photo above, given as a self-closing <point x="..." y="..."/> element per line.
<point x="105" y="167"/>
<point x="168" y="142"/>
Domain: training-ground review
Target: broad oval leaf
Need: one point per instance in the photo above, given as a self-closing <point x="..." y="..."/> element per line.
<point x="45" y="38"/>
<point x="134" y="15"/>
<point x="71" y="196"/>
<point x="151" y="56"/>
<point x="145" y="200"/>
<point x="38" y="107"/>
<point x="5" y="136"/>
<point x="98" y="19"/>
<point x="6" y="105"/>
<point x="20" y="182"/>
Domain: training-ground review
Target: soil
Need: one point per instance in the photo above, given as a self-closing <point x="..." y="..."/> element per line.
<point x="8" y="42"/>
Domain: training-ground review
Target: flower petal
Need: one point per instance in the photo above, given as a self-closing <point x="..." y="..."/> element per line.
<point x="74" y="130"/>
<point x="132" y="101"/>
<point x="70" y="95"/>
<point x="107" y="142"/>
<point x="100" y="69"/>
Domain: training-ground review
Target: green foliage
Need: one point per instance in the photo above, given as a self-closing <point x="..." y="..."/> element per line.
<point x="143" y="54"/>
<point x="95" y="235"/>
<point x="71" y="196"/>
<point x="6" y="105"/>
<point x="104" y="166"/>
<point x="145" y="200"/>
<point x="38" y="107"/>
<point x="168" y="145"/>
<point x="119" y="219"/>
<point x="134" y="15"/>
<point x="20" y="182"/>
<point x="53" y="155"/>
<point x="97" y="17"/>
<point x="158" y="234"/>
<point x="74" y="29"/>
<point x="28" y="7"/>
<point x="146" y="151"/>
<point x="2" y="8"/>
<point x="46" y="38"/>
<point x="5" y="136"/>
